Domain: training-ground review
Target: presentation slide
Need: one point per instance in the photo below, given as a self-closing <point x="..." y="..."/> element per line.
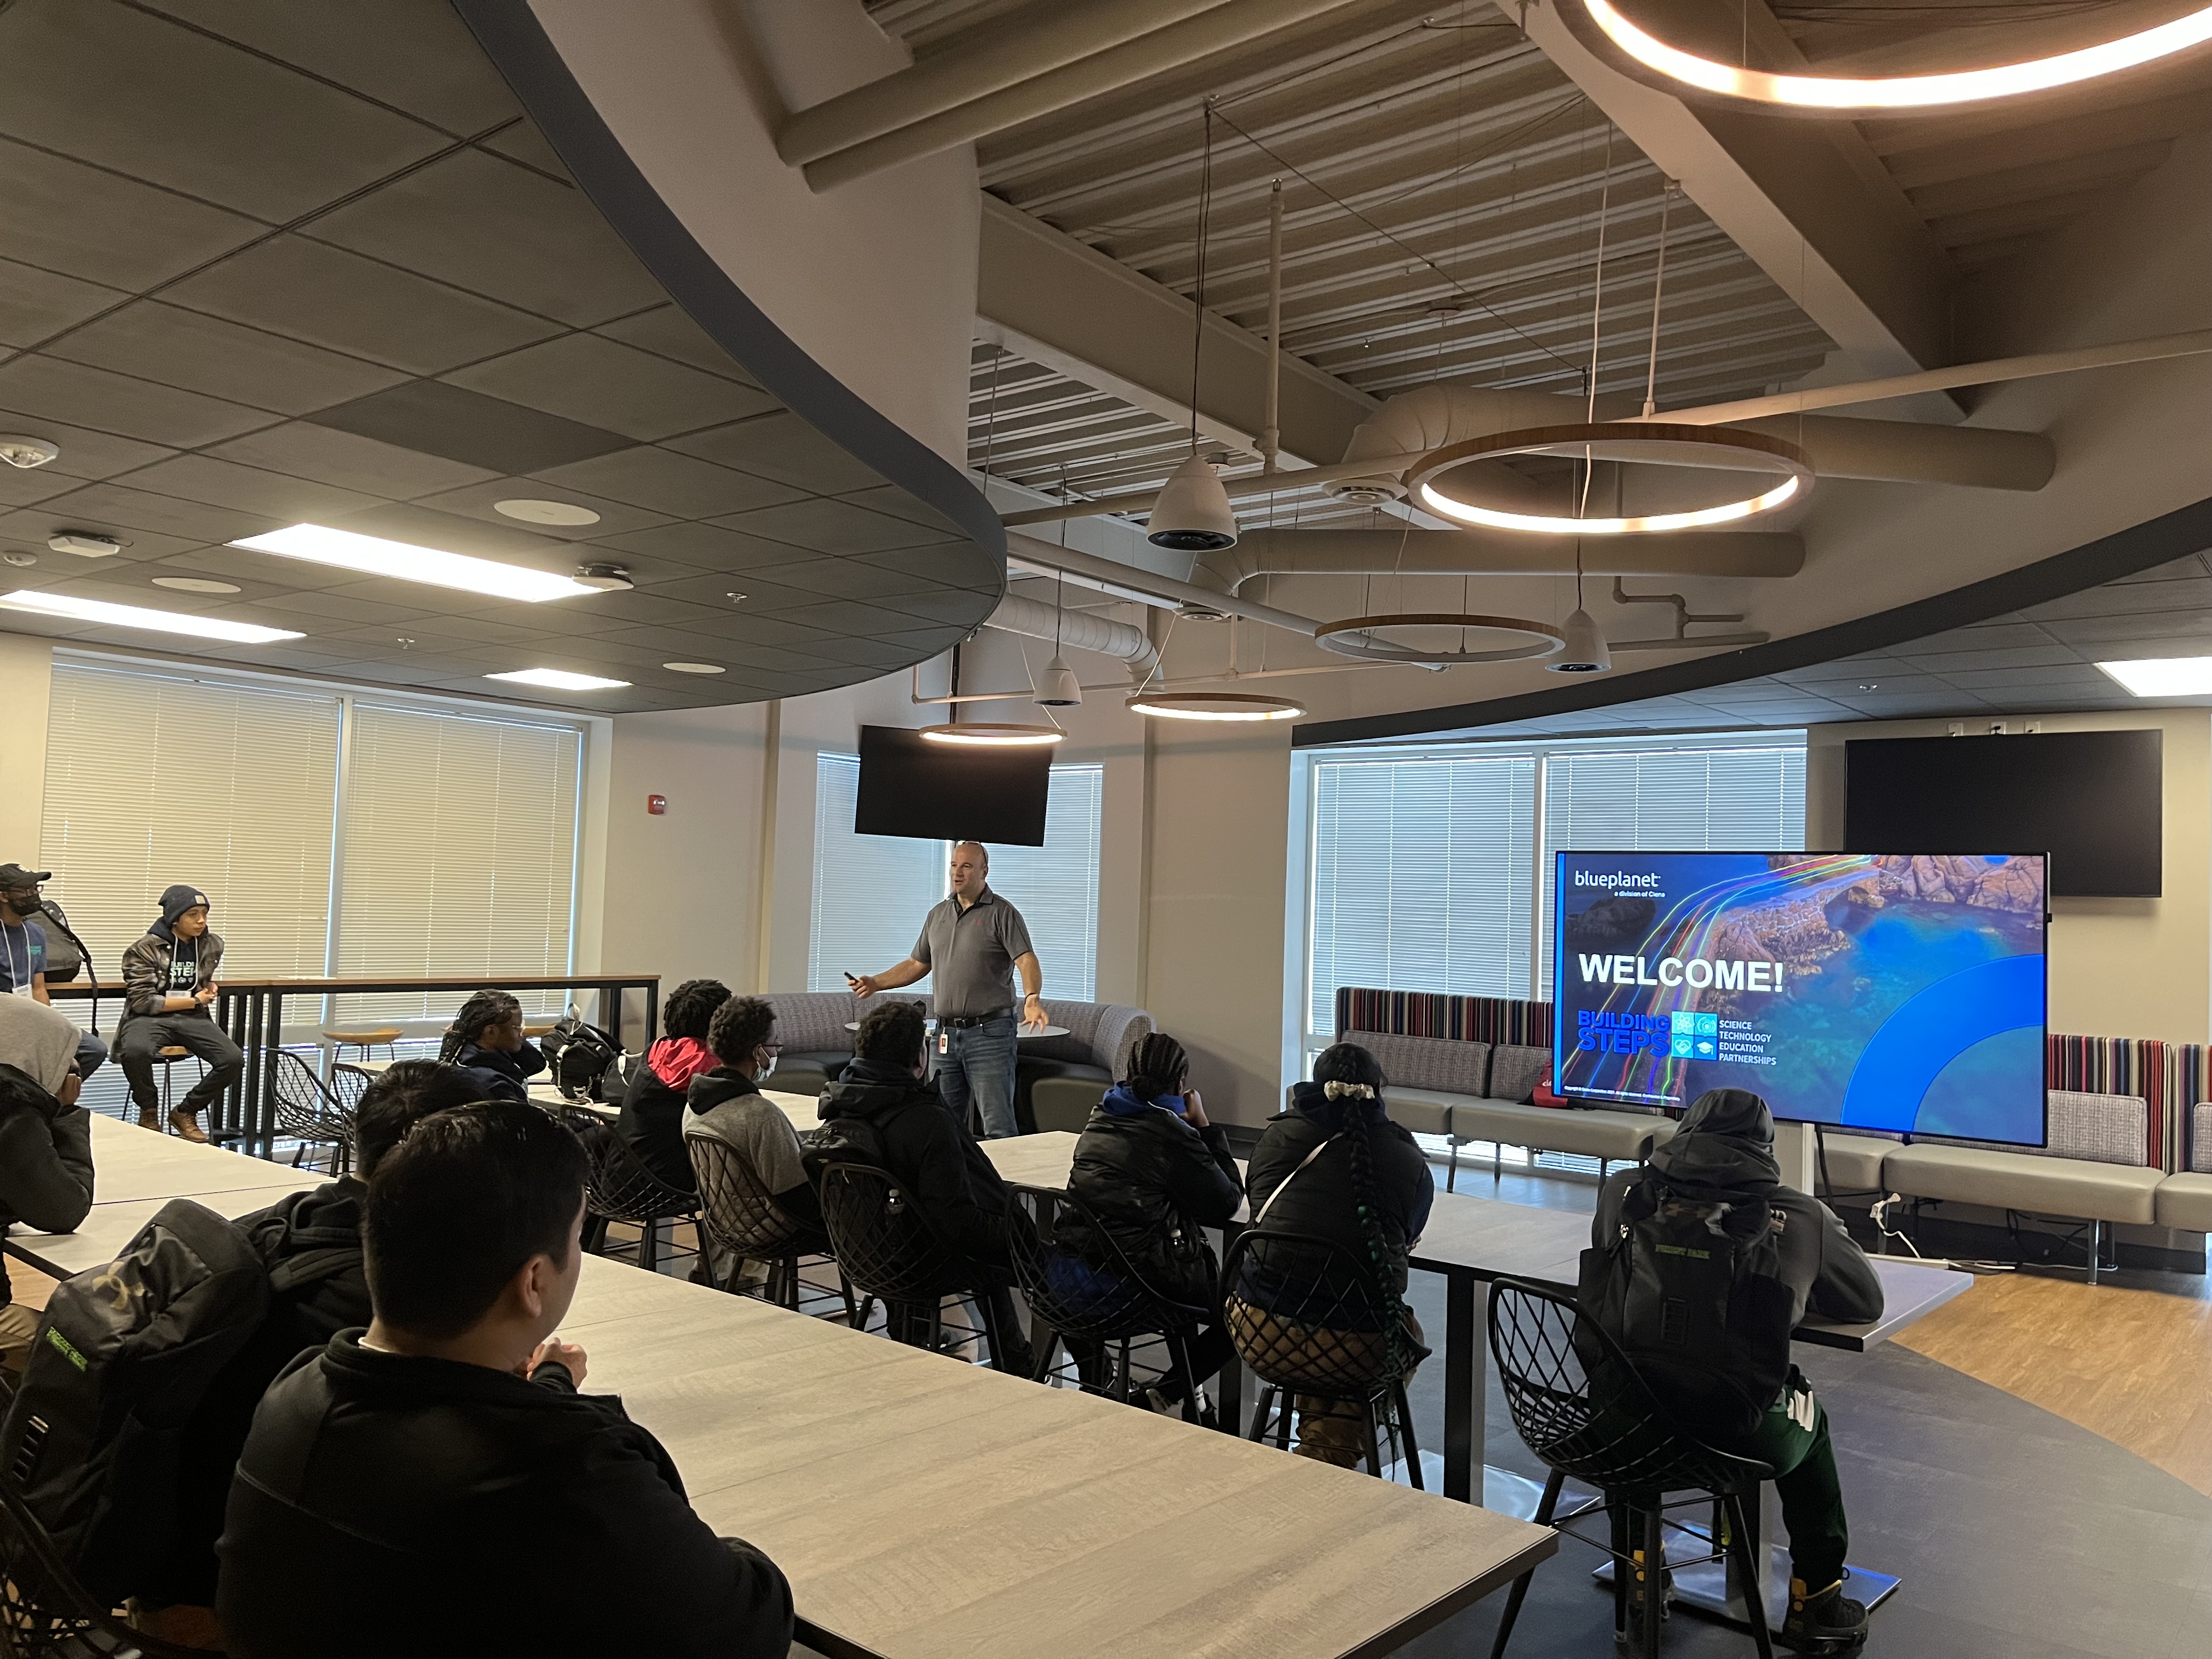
<point x="1859" y="990"/>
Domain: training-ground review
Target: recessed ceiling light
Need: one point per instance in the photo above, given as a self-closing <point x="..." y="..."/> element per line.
<point x="196" y="585"/>
<point x="130" y="616"/>
<point x="560" y="680"/>
<point x="546" y="512"/>
<point x="695" y="668"/>
<point x="374" y="556"/>
<point x="2164" y="677"/>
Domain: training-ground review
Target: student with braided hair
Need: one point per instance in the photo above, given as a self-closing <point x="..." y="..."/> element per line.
<point x="1155" y="1173"/>
<point x="1334" y="1166"/>
<point x="486" y="1040"/>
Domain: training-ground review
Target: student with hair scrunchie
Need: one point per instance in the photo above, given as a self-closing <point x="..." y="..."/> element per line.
<point x="1347" y="1174"/>
<point x="1155" y="1173"/>
<point x="486" y="1040"/>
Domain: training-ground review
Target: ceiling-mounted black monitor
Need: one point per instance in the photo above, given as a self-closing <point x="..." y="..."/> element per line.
<point x="2092" y="799"/>
<point x="951" y="791"/>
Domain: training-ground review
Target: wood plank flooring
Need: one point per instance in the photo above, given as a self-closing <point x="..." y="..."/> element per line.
<point x="2131" y="1365"/>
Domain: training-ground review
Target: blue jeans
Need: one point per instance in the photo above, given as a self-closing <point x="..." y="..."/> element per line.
<point x="91" y="1054"/>
<point x="978" y="1065"/>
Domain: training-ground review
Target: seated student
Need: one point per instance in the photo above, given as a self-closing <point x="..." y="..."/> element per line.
<point x="27" y="952"/>
<point x="318" y="1286"/>
<point x="45" y="1145"/>
<point x="727" y="1103"/>
<point x="168" y="981"/>
<point x="1723" y="1155"/>
<point x="436" y="1485"/>
<point x="1155" y="1173"/>
<point x="486" y="1038"/>
<point x="883" y="1091"/>
<point x="1333" y="1166"/>
<point x="652" y="1119"/>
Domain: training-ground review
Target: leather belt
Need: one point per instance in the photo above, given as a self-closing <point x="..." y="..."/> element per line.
<point x="963" y="1022"/>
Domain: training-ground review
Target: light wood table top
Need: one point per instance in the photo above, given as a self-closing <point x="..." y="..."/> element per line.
<point x="928" y="1509"/>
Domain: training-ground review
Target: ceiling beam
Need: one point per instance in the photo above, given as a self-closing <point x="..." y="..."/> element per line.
<point x="1808" y="201"/>
<point x="1047" y="297"/>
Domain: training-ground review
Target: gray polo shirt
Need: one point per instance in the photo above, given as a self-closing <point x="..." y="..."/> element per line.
<point x="970" y="955"/>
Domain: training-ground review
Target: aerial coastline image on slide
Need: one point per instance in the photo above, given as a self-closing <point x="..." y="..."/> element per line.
<point x="1888" y="992"/>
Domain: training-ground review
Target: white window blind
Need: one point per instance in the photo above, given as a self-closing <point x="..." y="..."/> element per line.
<point x="153" y="780"/>
<point x="459" y="854"/>
<point x="1749" y="797"/>
<point x="1421" y="877"/>
<point x="871" y="892"/>
<point x="1055" y="887"/>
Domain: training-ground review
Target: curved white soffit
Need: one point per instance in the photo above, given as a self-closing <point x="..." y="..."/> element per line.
<point x="1823" y="91"/>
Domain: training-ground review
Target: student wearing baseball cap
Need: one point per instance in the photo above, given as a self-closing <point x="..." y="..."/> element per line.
<point x="26" y="952"/>
<point x="168" y="981"/>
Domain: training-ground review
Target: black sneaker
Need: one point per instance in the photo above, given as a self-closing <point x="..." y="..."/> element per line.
<point x="1825" y="1621"/>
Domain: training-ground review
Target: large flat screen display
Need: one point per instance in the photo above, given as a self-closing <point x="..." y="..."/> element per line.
<point x="1858" y="990"/>
<point x="950" y="792"/>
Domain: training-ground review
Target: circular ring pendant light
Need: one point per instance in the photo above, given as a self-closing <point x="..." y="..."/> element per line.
<point x="992" y="734"/>
<point x="1355" y="637"/>
<point x="1650" y="442"/>
<point x="1214" y="706"/>
<point x="1599" y="24"/>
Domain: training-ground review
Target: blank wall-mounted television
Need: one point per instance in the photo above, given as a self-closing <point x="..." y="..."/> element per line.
<point x="950" y="792"/>
<point x="2092" y="800"/>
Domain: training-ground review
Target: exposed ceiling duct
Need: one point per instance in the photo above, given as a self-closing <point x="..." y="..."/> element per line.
<point x="1045" y="556"/>
<point x="1399" y="550"/>
<point x="1078" y="630"/>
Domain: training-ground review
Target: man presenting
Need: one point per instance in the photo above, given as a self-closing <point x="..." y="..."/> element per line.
<point x="974" y="942"/>
<point x="23" y="953"/>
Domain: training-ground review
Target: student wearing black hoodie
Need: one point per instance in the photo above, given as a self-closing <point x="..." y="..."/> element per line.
<point x="45" y="1145"/>
<point x="168" y="983"/>
<point x="930" y="1151"/>
<point x="1334" y="1165"/>
<point x="1155" y="1173"/>
<point x="438" y="1484"/>
<point x="318" y="1286"/>
<point x="1724" y="1153"/>
<point x="652" y="1119"/>
<point x="486" y="1039"/>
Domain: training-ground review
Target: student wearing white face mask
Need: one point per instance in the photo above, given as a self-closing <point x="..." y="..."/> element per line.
<point x="726" y="1102"/>
<point x="27" y="923"/>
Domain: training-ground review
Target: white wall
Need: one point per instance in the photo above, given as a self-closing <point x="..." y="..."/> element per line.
<point x="875" y="280"/>
<point x="27" y="676"/>
<point x="2119" y="967"/>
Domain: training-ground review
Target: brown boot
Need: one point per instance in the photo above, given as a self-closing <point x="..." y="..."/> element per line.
<point x="187" y="1124"/>
<point x="149" y="1117"/>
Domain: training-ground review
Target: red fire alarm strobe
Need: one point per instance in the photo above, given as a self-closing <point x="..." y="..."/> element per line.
<point x="657" y="805"/>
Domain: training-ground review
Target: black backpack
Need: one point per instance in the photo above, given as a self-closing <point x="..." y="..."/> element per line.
<point x="839" y="1140"/>
<point x="1693" y="1292"/>
<point x="121" y="1361"/>
<point x="586" y="1062"/>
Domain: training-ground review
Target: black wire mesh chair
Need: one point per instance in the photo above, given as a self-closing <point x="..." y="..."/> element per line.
<point x="1306" y="1316"/>
<point x="887" y="1250"/>
<point x="308" y="1113"/>
<point x="1583" y="1410"/>
<point x="620" y="1187"/>
<point x="1080" y="1283"/>
<point x="741" y="1215"/>
<point x="44" y="1613"/>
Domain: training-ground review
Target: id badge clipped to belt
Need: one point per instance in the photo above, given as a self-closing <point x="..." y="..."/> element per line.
<point x="943" y="1043"/>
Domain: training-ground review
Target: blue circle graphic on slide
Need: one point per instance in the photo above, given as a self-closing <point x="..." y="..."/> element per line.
<point x="1933" y="1029"/>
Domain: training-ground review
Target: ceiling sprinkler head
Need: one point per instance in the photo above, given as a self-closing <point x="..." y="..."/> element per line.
<point x="19" y="450"/>
<point x="607" y="578"/>
<point x="20" y="557"/>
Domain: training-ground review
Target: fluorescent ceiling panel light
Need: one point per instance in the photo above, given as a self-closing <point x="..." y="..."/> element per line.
<point x="131" y="616"/>
<point x="373" y="556"/>
<point x="560" y="680"/>
<point x="2164" y="677"/>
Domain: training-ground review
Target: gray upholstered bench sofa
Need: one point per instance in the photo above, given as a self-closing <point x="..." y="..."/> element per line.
<point x="2185" y="1200"/>
<point x="1057" y="1079"/>
<point x="1470" y="1091"/>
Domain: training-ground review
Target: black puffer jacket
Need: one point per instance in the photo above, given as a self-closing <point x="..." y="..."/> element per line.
<point x="930" y="1151"/>
<point x="45" y="1160"/>
<point x="502" y="1076"/>
<point x="1725" y="1149"/>
<point x="387" y="1505"/>
<point x="318" y="1286"/>
<point x="1320" y="1199"/>
<point x="1154" y="1182"/>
